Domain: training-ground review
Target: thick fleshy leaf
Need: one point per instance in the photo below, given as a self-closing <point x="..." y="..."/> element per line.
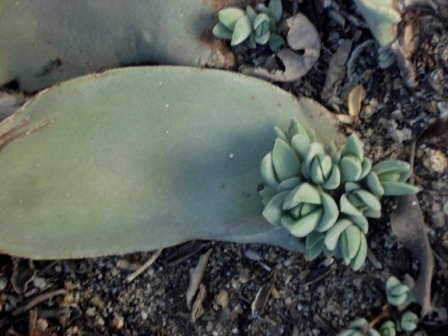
<point x="300" y="143"/>
<point x="366" y="166"/>
<point x="350" y="168"/>
<point x="409" y="321"/>
<point x="243" y="29"/>
<point x="389" y="177"/>
<point x="221" y="31"/>
<point x="372" y="213"/>
<point x="351" y="242"/>
<point x="398" y="188"/>
<point x="286" y="163"/>
<point x="314" y="245"/>
<point x="361" y="222"/>
<point x="374" y="184"/>
<point x="280" y="134"/>
<point x="304" y="193"/>
<point x="276" y="42"/>
<point x="261" y="25"/>
<point x="137" y="159"/>
<point x="273" y="211"/>
<point x="332" y="236"/>
<point x="267" y="193"/>
<point x="263" y="39"/>
<point x="303" y="226"/>
<point x="347" y="207"/>
<point x="353" y="146"/>
<point x="316" y="171"/>
<point x="360" y="257"/>
<point x="334" y="180"/>
<point x="397" y="166"/>
<point x="350" y="186"/>
<point x="369" y="199"/>
<point x="251" y="14"/>
<point x="230" y="16"/>
<point x="314" y="149"/>
<point x="308" y="208"/>
<point x="267" y="171"/>
<point x="289" y="184"/>
<point x="330" y="214"/>
<point x="276" y="8"/>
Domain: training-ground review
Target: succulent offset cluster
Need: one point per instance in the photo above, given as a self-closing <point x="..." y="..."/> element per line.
<point x="398" y="295"/>
<point x="250" y="26"/>
<point x="324" y="195"/>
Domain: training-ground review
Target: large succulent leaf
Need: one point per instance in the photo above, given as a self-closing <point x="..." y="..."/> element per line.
<point x="143" y="158"/>
<point x="44" y="42"/>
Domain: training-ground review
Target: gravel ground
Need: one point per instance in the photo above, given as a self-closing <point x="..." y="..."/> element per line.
<point x="262" y="290"/>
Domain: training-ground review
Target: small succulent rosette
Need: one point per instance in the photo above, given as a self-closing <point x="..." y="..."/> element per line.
<point x="254" y="27"/>
<point x="399" y="294"/>
<point x="324" y="195"/>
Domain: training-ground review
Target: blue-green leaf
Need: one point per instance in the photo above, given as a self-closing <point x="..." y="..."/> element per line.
<point x="303" y="226"/>
<point x="374" y="184"/>
<point x="304" y="193"/>
<point x="273" y="211"/>
<point x="267" y="171"/>
<point x="398" y="188"/>
<point x="230" y="16"/>
<point x="285" y="161"/>
<point x="350" y="168"/>
<point x="242" y="31"/>
<point x="332" y="236"/>
<point x="222" y="31"/>
<point x="277" y="9"/>
<point x="330" y="214"/>
<point x="353" y="146"/>
<point x="360" y="257"/>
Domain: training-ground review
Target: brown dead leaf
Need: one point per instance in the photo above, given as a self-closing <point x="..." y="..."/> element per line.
<point x="336" y="70"/>
<point x="261" y="299"/>
<point x="409" y="227"/>
<point x="197" y="310"/>
<point x="302" y="36"/>
<point x="354" y="100"/>
<point x="196" y="275"/>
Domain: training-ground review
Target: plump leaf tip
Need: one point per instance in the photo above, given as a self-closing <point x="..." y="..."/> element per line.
<point x="325" y="195"/>
<point x="251" y="27"/>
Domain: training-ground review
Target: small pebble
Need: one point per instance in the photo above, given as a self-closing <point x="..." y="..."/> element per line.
<point x="39" y="282"/>
<point x="222" y="298"/>
<point x="435" y="161"/>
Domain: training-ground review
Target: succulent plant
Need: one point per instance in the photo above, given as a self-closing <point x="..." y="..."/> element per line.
<point x="398" y="294"/>
<point x="359" y="327"/>
<point x="251" y="26"/>
<point x="388" y="329"/>
<point x="323" y="195"/>
<point x="382" y="18"/>
<point x="409" y="321"/>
